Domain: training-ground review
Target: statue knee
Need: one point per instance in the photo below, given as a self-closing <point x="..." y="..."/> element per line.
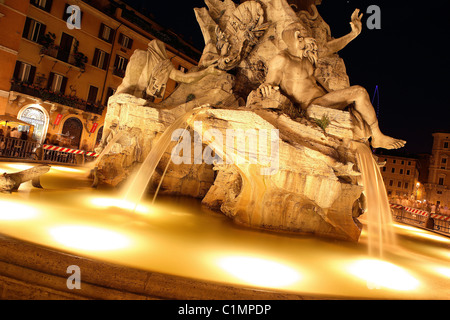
<point x="360" y="92"/>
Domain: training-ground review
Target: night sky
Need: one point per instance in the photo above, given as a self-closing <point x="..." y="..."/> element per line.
<point x="407" y="59"/>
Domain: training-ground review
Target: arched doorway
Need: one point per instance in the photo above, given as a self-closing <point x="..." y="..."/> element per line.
<point x="71" y="133"/>
<point x="37" y="116"/>
<point x="99" y="137"/>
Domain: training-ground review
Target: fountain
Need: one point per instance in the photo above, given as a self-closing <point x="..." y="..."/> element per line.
<point x="296" y="177"/>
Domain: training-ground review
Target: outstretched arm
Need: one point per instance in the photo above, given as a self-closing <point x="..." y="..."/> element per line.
<point x="336" y="45"/>
<point x="191" y="77"/>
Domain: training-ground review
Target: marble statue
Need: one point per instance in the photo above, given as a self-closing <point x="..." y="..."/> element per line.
<point x="267" y="65"/>
<point x="292" y="71"/>
<point x="11" y="181"/>
<point x="148" y="71"/>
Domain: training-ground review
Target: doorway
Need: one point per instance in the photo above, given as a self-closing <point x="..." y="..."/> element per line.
<point x="71" y="133"/>
<point x="65" y="47"/>
<point x="35" y="116"/>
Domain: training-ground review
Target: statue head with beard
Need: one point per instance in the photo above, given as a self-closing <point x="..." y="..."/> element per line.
<point x="299" y="43"/>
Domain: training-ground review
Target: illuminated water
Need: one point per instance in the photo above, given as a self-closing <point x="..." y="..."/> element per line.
<point x="380" y="231"/>
<point x="177" y="236"/>
<point x="136" y="186"/>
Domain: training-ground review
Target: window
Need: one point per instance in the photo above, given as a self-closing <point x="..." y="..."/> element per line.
<point x="441" y="181"/>
<point x="57" y="83"/>
<point x="92" y="95"/>
<point x="106" y="33"/>
<point x="409" y="163"/>
<point x="101" y="59"/>
<point x="24" y="72"/>
<point x="401" y="171"/>
<point x="393" y="170"/>
<point x="403" y="162"/>
<point x="391" y="183"/>
<point x="394" y="161"/>
<point x="446" y="145"/>
<point x="443" y="163"/>
<point x="42" y="4"/>
<point x="384" y="169"/>
<point x="439" y="192"/>
<point x="408" y="172"/>
<point x="33" y="30"/>
<point x="406" y="185"/>
<point x="125" y="41"/>
<point x="399" y="184"/>
<point x="120" y="65"/>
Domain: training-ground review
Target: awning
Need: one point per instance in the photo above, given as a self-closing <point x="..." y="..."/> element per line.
<point x="8" y="120"/>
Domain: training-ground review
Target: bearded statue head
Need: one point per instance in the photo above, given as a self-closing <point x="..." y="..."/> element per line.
<point x="299" y="43"/>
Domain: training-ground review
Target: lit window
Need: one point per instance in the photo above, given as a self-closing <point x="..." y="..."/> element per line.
<point x="57" y="83"/>
<point x="125" y="41"/>
<point x="101" y="59"/>
<point x="33" y="30"/>
<point x="106" y="33"/>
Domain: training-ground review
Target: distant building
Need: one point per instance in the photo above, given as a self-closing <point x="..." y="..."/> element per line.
<point x="438" y="186"/>
<point x="401" y="177"/>
<point x="62" y="60"/>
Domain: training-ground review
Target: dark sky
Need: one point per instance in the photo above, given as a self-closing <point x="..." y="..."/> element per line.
<point x="407" y="59"/>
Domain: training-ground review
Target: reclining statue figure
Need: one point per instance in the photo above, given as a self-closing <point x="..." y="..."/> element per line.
<point x="148" y="72"/>
<point x="292" y="71"/>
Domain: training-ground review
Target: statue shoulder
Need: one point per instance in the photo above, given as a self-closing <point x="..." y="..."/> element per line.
<point x="279" y="60"/>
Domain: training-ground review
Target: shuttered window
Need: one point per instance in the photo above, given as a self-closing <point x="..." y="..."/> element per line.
<point x="101" y="59"/>
<point x="33" y="30"/>
<point x="106" y="33"/>
<point x="57" y="83"/>
<point x="24" y="72"/>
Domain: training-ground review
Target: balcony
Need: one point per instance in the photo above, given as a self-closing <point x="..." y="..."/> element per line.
<point x="47" y="95"/>
<point x="76" y="59"/>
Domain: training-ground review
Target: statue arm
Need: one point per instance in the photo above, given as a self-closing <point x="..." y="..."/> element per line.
<point x="274" y="76"/>
<point x="191" y="77"/>
<point x="336" y="45"/>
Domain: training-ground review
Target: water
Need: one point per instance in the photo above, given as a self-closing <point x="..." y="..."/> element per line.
<point x="137" y="185"/>
<point x="380" y="232"/>
<point x="182" y="238"/>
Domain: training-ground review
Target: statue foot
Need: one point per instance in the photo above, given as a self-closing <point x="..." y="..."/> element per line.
<point x="386" y="142"/>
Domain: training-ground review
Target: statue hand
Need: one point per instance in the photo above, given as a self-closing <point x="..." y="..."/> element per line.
<point x="356" y="23"/>
<point x="267" y="89"/>
<point x="213" y="70"/>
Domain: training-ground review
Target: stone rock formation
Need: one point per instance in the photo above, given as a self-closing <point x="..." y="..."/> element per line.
<point x="308" y="184"/>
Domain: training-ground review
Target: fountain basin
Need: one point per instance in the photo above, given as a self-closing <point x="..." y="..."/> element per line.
<point x="181" y="251"/>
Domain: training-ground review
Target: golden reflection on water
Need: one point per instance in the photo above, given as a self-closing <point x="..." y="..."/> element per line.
<point x="178" y="236"/>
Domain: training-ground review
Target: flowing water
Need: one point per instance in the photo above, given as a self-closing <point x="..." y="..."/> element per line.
<point x="380" y="232"/>
<point x="136" y="186"/>
<point x="180" y="237"/>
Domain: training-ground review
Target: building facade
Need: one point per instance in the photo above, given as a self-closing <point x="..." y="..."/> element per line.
<point x="438" y="186"/>
<point x="401" y="177"/>
<point x="62" y="60"/>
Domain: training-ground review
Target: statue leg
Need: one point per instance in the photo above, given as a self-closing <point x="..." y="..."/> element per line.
<point x="339" y="99"/>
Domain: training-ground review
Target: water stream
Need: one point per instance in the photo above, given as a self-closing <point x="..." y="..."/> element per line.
<point x="137" y="185"/>
<point x="380" y="232"/>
